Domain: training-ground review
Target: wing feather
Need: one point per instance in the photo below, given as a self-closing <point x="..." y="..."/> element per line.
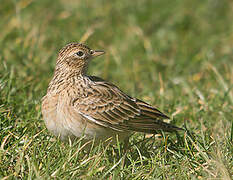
<point x="106" y="104"/>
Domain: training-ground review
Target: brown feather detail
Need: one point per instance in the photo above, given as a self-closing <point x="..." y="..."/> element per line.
<point x="119" y="111"/>
<point x="149" y="127"/>
<point x="154" y="115"/>
<point x="101" y="119"/>
<point x="107" y="117"/>
<point x="112" y="117"/>
<point x="100" y="109"/>
<point x="100" y="116"/>
<point x="129" y="113"/>
<point x="115" y="116"/>
<point x="149" y="110"/>
<point x="129" y="109"/>
<point x="123" y="115"/>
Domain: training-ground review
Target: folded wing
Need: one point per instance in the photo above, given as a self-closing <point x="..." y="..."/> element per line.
<point x="103" y="103"/>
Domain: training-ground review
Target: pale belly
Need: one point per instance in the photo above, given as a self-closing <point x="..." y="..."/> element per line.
<point x="63" y="121"/>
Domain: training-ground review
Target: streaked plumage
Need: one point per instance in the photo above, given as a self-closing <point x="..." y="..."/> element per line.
<point x="77" y="104"/>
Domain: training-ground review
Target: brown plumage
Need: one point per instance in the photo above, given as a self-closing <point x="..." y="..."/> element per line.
<point x="77" y="104"/>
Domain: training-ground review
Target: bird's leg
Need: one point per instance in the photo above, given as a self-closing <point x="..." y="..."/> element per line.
<point x="125" y="150"/>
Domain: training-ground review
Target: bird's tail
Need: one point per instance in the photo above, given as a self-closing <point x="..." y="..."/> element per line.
<point x="150" y="120"/>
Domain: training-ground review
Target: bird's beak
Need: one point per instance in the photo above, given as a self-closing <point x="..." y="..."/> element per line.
<point x="97" y="53"/>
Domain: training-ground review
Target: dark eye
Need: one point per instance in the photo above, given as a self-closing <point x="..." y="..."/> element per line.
<point x="91" y="51"/>
<point x="80" y="53"/>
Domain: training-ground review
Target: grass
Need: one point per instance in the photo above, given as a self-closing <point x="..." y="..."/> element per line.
<point x="176" y="55"/>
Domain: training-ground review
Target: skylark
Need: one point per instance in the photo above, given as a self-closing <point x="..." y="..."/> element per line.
<point x="77" y="104"/>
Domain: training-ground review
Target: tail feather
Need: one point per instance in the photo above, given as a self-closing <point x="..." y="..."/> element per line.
<point x="150" y="120"/>
<point x="151" y="126"/>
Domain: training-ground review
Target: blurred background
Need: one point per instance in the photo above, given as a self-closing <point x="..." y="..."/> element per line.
<point x="174" y="54"/>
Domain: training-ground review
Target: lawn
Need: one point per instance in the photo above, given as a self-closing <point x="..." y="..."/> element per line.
<point x="176" y="55"/>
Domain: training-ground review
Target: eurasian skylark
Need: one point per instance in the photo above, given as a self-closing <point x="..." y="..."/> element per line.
<point x="77" y="104"/>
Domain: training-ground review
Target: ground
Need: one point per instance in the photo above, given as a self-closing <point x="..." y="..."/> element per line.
<point x="176" y="55"/>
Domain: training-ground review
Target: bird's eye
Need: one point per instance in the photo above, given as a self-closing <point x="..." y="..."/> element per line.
<point x="80" y="53"/>
<point x="91" y="51"/>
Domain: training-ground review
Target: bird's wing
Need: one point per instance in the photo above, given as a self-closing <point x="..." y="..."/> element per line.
<point x="104" y="104"/>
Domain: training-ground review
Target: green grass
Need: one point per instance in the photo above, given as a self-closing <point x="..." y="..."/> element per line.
<point x="176" y="55"/>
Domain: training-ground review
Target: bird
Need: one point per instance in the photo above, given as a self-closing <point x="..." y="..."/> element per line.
<point x="79" y="105"/>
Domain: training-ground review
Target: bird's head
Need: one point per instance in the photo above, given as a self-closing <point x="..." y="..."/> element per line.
<point x="75" y="57"/>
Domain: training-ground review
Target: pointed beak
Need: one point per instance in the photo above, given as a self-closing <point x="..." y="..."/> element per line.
<point x="97" y="53"/>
